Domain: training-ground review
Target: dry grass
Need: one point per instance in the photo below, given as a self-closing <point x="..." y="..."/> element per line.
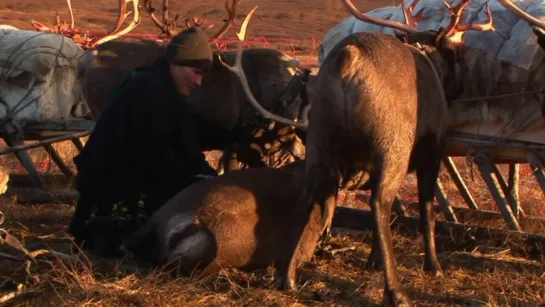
<point x="475" y="278"/>
<point x="478" y="276"/>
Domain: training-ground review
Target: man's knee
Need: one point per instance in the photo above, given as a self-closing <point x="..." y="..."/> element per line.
<point x="77" y="227"/>
<point x="107" y="235"/>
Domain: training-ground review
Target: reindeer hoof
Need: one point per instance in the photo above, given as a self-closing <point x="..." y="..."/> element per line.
<point x="397" y="297"/>
<point x="284" y="283"/>
<point x="433" y="268"/>
<point x="374" y="263"/>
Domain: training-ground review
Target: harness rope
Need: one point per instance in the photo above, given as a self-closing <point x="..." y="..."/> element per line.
<point x="472" y="152"/>
<point x="419" y="48"/>
<point x="500" y="96"/>
<point x="524" y="93"/>
<point x="288" y="94"/>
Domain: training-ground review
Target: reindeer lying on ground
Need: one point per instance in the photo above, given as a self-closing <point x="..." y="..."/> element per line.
<point x="239" y="220"/>
<point x="379" y="110"/>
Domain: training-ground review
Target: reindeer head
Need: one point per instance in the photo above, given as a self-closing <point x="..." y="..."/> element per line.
<point x="436" y="42"/>
<point x="445" y="41"/>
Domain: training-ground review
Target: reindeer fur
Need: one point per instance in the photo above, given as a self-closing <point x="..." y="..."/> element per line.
<point x="378" y="112"/>
<point x="242" y="219"/>
<point x="482" y="75"/>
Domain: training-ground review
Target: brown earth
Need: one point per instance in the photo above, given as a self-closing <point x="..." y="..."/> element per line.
<point x="290" y="26"/>
<point x="475" y="275"/>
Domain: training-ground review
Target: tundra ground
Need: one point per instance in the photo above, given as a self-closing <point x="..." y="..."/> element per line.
<point x="477" y="274"/>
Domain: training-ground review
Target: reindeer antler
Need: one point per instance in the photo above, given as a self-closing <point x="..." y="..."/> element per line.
<point x="72" y="21"/>
<point x="115" y="33"/>
<point x="229" y="22"/>
<point x="86" y="41"/>
<point x="522" y="14"/>
<point x="122" y="15"/>
<point x="59" y="28"/>
<point x="239" y="72"/>
<point x="379" y="21"/>
<point x="197" y="22"/>
<point x="169" y="27"/>
<point x="455" y="30"/>
<point x="410" y="19"/>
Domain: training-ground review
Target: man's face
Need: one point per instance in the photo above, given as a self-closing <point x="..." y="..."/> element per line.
<point x="186" y="78"/>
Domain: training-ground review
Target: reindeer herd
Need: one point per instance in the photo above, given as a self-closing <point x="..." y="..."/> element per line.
<point x="377" y="109"/>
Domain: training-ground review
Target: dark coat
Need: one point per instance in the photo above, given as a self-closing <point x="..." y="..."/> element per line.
<point x="143" y="143"/>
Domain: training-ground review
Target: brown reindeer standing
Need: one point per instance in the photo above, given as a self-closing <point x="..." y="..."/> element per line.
<point x="379" y="110"/>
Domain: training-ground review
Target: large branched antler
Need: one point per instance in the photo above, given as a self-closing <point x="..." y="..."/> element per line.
<point x="380" y="21"/>
<point x="522" y="14"/>
<point x="167" y="27"/>
<point x="115" y="33"/>
<point x="239" y="72"/>
<point x="64" y="29"/>
<point x="88" y="42"/>
<point x="230" y="21"/>
<point x="59" y="28"/>
<point x="410" y="19"/>
<point x="170" y="28"/>
<point x="453" y="31"/>
<point x="197" y="22"/>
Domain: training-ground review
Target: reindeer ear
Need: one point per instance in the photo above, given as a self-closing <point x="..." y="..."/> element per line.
<point x="540" y="33"/>
<point x="440" y="37"/>
<point x="216" y="61"/>
<point x="445" y="45"/>
<point x="449" y="51"/>
<point x="402" y="36"/>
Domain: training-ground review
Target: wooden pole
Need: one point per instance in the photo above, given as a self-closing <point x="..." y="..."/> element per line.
<point x="12" y="149"/>
<point x="520" y="243"/>
<point x="459" y="182"/>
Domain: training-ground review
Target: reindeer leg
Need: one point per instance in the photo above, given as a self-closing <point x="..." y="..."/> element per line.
<point x="426" y="177"/>
<point x="374" y="262"/>
<point x="388" y="180"/>
<point x="315" y="214"/>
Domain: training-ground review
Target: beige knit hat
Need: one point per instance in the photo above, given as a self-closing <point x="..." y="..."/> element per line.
<point x="191" y="48"/>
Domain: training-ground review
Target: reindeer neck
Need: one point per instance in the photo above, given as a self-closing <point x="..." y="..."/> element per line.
<point x="428" y="54"/>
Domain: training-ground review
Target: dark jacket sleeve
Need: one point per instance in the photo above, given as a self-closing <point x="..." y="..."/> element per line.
<point x="192" y="151"/>
<point x="150" y="136"/>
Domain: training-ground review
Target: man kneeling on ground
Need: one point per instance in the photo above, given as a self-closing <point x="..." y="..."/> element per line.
<point x="142" y="150"/>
